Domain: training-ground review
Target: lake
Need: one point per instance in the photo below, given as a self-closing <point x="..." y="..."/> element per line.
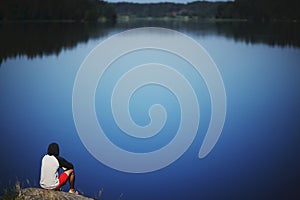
<point x="256" y="156"/>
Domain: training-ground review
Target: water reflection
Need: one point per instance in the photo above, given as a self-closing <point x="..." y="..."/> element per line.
<point x="277" y="33"/>
<point x="38" y="39"/>
<point x="274" y="34"/>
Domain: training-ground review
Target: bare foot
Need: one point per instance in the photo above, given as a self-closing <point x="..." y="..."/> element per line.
<point x="73" y="191"/>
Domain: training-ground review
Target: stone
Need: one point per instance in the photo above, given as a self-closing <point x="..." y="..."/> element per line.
<point x="42" y="194"/>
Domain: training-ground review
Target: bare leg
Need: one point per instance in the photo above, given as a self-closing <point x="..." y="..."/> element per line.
<point x="71" y="174"/>
<point x="72" y="180"/>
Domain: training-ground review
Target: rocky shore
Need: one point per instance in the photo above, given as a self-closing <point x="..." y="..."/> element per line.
<point x="42" y="194"/>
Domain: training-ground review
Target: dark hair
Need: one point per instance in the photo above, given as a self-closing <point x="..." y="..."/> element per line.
<point x="53" y="149"/>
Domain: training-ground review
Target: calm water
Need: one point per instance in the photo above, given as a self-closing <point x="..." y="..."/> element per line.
<point x="256" y="157"/>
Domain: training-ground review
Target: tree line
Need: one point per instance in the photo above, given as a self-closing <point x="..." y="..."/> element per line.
<point x="197" y="9"/>
<point x="260" y="10"/>
<point x="87" y="10"/>
<point x="256" y="10"/>
<point x="92" y="10"/>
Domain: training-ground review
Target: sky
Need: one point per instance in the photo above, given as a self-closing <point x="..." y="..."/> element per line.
<point x="156" y="1"/>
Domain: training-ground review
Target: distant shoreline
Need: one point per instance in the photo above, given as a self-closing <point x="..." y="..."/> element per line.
<point x="216" y="11"/>
<point x="103" y="12"/>
<point x="133" y="19"/>
<point x="100" y="21"/>
<point x="128" y="19"/>
<point x="177" y="19"/>
<point x="186" y="19"/>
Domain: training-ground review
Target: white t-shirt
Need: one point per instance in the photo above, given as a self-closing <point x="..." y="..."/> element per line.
<point x="49" y="172"/>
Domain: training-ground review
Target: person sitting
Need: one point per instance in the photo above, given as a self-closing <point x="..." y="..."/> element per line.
<point x="51" y="163"/>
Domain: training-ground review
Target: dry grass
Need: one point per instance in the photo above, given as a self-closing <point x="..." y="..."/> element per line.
<point x="28" y="190"/>
<point x="17" y="193"/>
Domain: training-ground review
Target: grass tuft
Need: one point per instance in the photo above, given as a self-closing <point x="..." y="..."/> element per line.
<point x="11" y="192"/>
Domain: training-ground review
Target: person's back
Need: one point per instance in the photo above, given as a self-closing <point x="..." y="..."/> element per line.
<point x="51" y="163"/>
<point x="49" y="172"/>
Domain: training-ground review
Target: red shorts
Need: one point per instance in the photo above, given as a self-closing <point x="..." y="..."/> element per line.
<point x="62" y="179"/>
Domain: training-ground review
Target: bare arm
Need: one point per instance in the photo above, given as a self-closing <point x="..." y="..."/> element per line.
<point x="63" y="163"/>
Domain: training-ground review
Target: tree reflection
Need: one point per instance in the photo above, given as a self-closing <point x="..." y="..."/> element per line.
<point x="39" y="39"/>
<point x="273" y="33"/>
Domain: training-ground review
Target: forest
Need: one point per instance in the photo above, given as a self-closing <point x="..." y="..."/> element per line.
<point x="78" y="10"/>
<point x="254" y="10"/>
<point x="100" y="10"/>
<point x="260" y="10"/>
<point x="197" y="9"/>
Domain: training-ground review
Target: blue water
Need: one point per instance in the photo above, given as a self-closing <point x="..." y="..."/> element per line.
<point x="256" y="157"/>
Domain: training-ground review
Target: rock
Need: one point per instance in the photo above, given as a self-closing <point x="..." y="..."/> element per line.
<point x="42" y="194"/>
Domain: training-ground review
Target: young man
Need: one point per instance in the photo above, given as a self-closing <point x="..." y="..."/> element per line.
<point x="51" y="163"/>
